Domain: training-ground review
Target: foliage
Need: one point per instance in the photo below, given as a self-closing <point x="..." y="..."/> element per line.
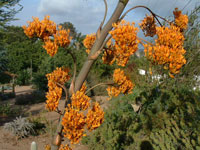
<point x="20" y="127"/>
<point x="3" y="60"/>
<point x="192" y="44"/>
<point x="24" y="77"/>
<point x="30" y="98"/>
<point x="39" y="125"/>
<point x="7" y="110"/>
<point x="4" y="78"/>
<point x="168" y="115"/>
<point x="7" y="11"/>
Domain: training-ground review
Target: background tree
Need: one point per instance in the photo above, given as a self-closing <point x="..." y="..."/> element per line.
<point x="8" y="10"/>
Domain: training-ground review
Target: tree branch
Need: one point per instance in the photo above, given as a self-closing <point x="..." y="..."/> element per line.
<point x="141" y="6"/>
<point x="98" y="43"/>
<point x="72" y="85"/>
<point x="111" y="83"/>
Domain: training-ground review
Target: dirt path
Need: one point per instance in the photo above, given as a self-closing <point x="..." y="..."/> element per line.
<point x="9" y="142"/>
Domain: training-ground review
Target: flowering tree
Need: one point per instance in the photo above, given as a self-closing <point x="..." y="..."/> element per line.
<point x="115" y="42"/>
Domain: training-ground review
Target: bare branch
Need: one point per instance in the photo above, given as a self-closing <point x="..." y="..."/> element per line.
<point x="99" y="84"/>
<point x="66" y="93"/>
<point x="106" y="10"/>
<point x="101" y="25"/>
<point x="141" y="6"/>
<point x="141" y="39"/>
<point x="72" y="85"/>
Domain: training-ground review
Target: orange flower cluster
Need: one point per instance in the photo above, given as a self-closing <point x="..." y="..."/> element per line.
<point x="53" y="97"/>
<point x="74" y="120"/>
<point x="41" y="29"/>
<point x="126" y="43"/>
<point x="148" y="26"/>
<point x="89" y="41"/>
<point x="61" y="76"/>
<point x="168" y="49"/>
<point x="79" y="100"/>
<point x="181" y="20"/>
<point x="66" y="147"/>
<point x="45" y="29"/>
<point x="62" y="37"/>
<point x="73" y="123"/>
<point x="109" y="53"/>
<point x="124" y="84"/>
<point x="50" y="46"/>
<point x="95" y="117"/>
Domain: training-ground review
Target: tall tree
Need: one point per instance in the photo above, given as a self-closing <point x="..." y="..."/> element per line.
<point x="8" y="10"/>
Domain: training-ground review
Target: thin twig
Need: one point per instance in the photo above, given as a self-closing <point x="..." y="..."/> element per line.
<point x="59" y="112"/>
<point x="141" y="6"/>
<point x="98" y="33"/>
<point x="98" y="85"/>
<point x="66" y="93"/>
<point x="75" y="64"/>
<point x="141" y="39"/>
<point x="106" y="10"/>
<point x="74" y="74"/>
<point x="104" y="18"/>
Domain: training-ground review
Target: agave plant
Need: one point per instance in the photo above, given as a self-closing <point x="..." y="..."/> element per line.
<point x="20" y="127"/>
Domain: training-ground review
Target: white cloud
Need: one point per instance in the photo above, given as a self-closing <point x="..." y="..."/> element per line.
<point x="82" y="13"/>
<point x="86" y="15"/>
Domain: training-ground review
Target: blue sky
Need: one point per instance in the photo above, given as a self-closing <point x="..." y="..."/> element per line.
<point x="86" y="15"/>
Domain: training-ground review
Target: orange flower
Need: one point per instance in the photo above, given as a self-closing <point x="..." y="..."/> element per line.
<point x="66" y="147"/>
<point x="109" y="55"/>
<point x="62" y="37"/>
<point x="39" y="29"/>
<point x="89" y="41"/>
<point x="44" y="30"/>
<point x="73" y="124"/>
<point x="181" y="20"/>
<point x="113" y="91"/>
<point x="53" y="97"/>
<point x="95" y="117"/>
<point x="148" y="26"/>
<point x="50" y="46"/>
<point x="126" y="43"/>
<point x="124" y="84"/>
<point x="61" y="76"/>
<point x="168" y="49"/>
<point x="80" y="101"/>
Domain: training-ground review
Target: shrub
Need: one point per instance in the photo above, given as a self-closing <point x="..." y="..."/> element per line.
<point x="7" y="110"/>
<point x="168" y="119"/>
<point x="20" y="127"/>
<point x="38" y="125"/>
<point x="40" y="81"/>
<point x="23" y="77"/>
